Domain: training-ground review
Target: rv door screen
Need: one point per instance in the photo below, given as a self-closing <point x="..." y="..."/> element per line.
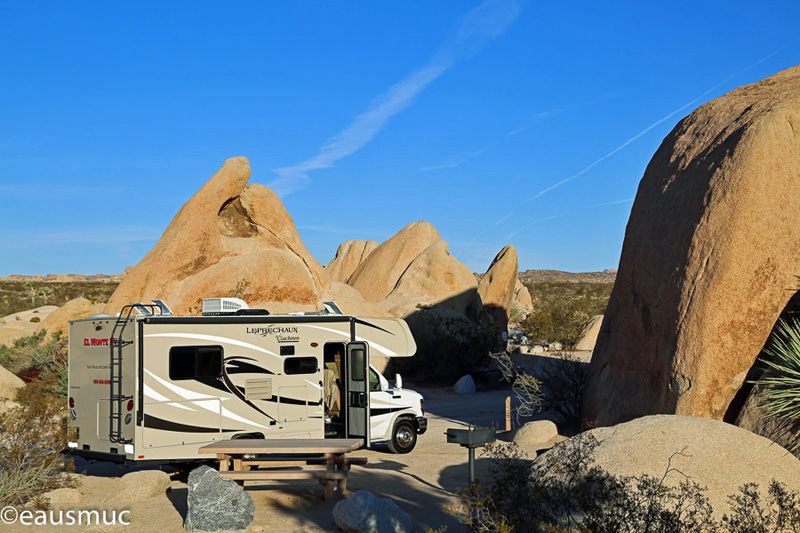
<point x="357" y="393"/>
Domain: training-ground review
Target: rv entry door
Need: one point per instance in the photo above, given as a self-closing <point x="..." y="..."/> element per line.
<point x="357" y="366"/>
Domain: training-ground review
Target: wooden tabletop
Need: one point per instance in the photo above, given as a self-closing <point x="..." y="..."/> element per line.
<point x="235" y="446"/>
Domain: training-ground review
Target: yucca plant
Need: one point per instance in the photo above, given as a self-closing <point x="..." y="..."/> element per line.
<point x="779" y="393"/>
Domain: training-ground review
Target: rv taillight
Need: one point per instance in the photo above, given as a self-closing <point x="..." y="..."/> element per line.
<point x="130" y="405"/>
<point x="71" y="402"/>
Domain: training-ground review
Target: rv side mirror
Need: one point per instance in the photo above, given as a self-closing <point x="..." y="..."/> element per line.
<point x="398" y="381"/>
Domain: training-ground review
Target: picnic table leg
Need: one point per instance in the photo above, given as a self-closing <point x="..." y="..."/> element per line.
<point x="327" y="485"/>
<point x="223" y="461"/>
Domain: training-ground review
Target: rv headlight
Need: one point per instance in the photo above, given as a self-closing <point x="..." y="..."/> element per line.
<point x="72" y="445"/>
<point x="128" y="448"/>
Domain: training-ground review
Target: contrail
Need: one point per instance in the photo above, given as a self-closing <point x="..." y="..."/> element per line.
<point x="480" y="25"/>
<point x="643" y="132"/>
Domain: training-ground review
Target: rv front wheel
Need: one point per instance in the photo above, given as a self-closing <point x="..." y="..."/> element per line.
<point x="404" y="436"/>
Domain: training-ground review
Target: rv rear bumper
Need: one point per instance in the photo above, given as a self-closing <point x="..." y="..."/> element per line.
<point x="422" y="424"/>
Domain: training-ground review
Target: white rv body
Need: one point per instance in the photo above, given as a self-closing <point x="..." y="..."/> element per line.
<point x="153" y="388"/>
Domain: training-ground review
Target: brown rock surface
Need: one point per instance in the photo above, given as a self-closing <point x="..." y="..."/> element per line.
<point x="588" y="337"/>
<point x="229" y="239"/>
<point x="9" y="384"/>
<point x="59" y="319"/>
<point x="434" y="277"/>
<point x="522" y="298"/>
<point x="23" y="324"/>
<point x="349" y="255"/>
<point x="711" y="247"/>
<point x="496" y="288"/>
<point x="378" y="274"/>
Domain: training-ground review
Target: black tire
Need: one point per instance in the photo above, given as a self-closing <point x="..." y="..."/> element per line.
<point x="404" y="436"/>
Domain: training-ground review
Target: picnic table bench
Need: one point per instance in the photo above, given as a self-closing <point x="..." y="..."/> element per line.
<point x="270" y="457"/>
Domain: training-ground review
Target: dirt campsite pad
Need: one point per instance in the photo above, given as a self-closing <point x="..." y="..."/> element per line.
<point x="422" y="483"/>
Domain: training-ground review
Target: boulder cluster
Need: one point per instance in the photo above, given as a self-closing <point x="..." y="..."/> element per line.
<point x="237" y="239"/>
<point x="709" y="262"/>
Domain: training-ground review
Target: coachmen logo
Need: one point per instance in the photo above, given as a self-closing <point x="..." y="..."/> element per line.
<point x="281" y="333"/>
<point x="95" y="342"/>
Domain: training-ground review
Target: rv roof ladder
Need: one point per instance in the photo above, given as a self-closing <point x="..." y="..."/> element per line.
<point x="116" y="344"/>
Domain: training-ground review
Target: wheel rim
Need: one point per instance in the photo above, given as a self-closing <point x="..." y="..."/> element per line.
<point x="404" y="437"/>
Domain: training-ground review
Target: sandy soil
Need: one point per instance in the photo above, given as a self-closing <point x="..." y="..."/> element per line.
<point x="423" y="483"/>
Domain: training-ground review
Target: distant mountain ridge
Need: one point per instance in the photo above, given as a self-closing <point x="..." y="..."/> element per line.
<point x="528" y="276"/>
<point x="556" y="276"/>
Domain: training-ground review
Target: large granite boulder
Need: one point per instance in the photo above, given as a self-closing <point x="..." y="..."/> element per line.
<point x="363" y="512"/>
<point x="378" y="274"/>
<point x="719" y="456"/>
<point x="349" y="255"/>
<point x="229" y="239"/>
<point x="588" y="337"/>
<point x="10" y="383"/>
<point x="59" y="319"/>
<point x="710" y="253"/>
<point x="522" y="298"/>
<point x="216" y="504"/>
<point x="497" y="288"/>
<point x="23" y="323"/>
<point x="434" y="277"/>
<point x="140" y="485"/>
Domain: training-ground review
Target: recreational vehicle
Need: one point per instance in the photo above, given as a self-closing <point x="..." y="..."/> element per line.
<point x="146" y="386"/>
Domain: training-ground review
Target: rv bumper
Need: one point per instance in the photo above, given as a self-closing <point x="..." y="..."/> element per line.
<point x="422" y="424"/>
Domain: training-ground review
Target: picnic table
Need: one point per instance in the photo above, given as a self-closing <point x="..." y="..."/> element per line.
<point x="270" y="457"/>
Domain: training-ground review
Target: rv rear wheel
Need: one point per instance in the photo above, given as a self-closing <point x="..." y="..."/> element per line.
<point x="404" y="436"/>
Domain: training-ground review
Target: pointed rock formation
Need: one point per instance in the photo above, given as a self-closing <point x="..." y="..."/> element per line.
<point x="496" y="289"/>
<point x="434" y="277"/>
<point x="711" y="247"/>
<point x="522" y="298"/>
<point x="229" y="239"/>
<point x="349" y="255"/>
<point x="378" y="274"/>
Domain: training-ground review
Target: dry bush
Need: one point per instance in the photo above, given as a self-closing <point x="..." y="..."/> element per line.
<point x="32" y="436"/>
<point x="566" y="492"/>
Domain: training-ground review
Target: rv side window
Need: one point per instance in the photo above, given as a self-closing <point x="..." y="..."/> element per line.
<point x="192" y="362"/>
<point x="300" y="365"/>
<point x="357" y="364"/>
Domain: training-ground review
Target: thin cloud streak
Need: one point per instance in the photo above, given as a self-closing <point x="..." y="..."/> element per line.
<point x="483" y="23"/>
<point x="640" y="134"/>
<point x="651" y="126"/>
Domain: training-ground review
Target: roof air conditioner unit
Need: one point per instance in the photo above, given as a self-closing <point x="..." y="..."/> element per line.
<point x="222" y="306"/>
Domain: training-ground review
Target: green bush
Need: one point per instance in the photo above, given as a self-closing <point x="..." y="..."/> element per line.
<point x="32" y="436"/>
<point x="39" y="355"/>
<point x="561" y="309"/>
<point x="779" y="385"/>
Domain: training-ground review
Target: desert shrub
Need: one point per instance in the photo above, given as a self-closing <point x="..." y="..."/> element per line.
<point x="527" y="389"/>
<point x="42" y="356"/>
<point x="22" y="295"/>
<point x="32" y="434"/>
<point x="565" y="491"/>
<point x="563" y="380"/>
<point x="561" y="309"/>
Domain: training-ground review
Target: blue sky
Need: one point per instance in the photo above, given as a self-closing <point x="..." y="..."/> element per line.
<point x="502" y="122"/>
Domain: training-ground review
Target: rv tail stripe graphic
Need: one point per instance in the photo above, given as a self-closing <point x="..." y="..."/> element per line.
<point x="153" y="422"/>
<point x="372" y="344"/>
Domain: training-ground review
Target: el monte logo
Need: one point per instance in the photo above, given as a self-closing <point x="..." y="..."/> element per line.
<point x="95" y="342"/>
